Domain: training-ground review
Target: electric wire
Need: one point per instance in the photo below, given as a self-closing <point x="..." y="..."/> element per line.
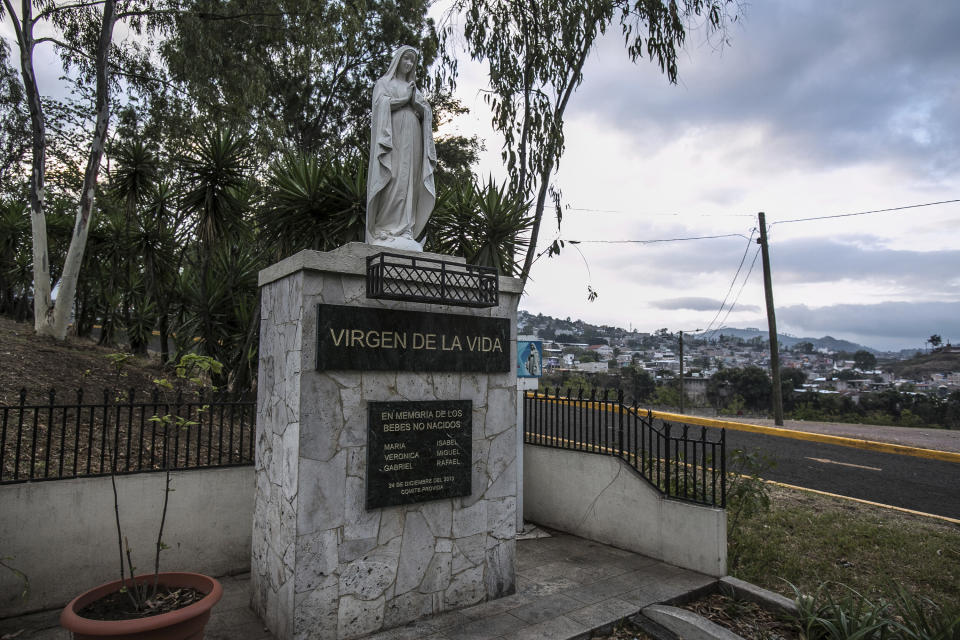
<point x="674" y="215"/>
<point x="735" y="300"/>
<point x="726" y="235"/>
<point x="863" y="213"/>
<point x="746" y="250"/>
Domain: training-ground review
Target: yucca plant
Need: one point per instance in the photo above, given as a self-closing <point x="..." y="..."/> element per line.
<point x="449" y="228"/>
<point x="499" y="228"/>
<point x="312" y="205"/>
<point x="484" y="224"/>
<point x="215" y="170"/>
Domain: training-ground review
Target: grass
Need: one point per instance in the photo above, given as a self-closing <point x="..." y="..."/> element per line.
<point x="807" y="539"/>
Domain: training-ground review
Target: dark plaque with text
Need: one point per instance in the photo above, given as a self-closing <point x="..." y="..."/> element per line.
<point x="368" y="339"/>
<point x="418" y="451"/>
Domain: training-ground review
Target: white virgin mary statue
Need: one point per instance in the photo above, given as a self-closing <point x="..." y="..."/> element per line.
<point x="400" y="188"/>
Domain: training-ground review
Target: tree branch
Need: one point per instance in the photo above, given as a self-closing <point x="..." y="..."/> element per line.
<point x="61" y="43"/>
<point x="64" y="7"/>
<point x="21" y="39"/>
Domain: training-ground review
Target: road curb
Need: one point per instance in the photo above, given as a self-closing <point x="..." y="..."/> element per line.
<point x="763" y="597"/>
<point x="843" y="441"/>
<point x="686" y="624"/>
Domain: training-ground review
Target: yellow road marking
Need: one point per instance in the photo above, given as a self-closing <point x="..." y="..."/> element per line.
<point x="856" y="443"/>
<point x="862" y="501"/>
<point x="845" y="464"/>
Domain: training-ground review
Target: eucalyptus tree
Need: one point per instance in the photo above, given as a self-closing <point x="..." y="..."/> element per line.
<point x="536" y="50"/>
<point x="294" y="73"/>
<point x="14" y="126"/>
<point x="82" y="34"/>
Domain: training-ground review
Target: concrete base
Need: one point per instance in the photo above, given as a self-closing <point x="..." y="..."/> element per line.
<point x="323" y="566"/>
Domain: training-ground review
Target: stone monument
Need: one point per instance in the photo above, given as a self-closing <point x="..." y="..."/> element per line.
<point x="386" y="453"/>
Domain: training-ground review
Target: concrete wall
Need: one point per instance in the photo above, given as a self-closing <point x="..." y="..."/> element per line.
<point x="603" y="498"/>
<point x="62" y="533"/>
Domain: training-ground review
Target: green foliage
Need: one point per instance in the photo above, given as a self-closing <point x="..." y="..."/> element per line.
<point x="822" y="616"/>
<point x="751" y="383"/>
<point x="747" y="495"/>
<point x="486" y="224"/>
<point x="535" y="53"/>
<point x="311" y="205"/>
<point x="14" y="127"/>
<point x="807" y="539"/>
<point x="864" y="360"/>
<point x="852" y="616"/>
<point x="216" y="167"/>
<point x="294" y="74"/>
<point x="666" y="396"/>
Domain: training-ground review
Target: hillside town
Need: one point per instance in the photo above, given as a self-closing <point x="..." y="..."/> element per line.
<point x="827" y="365"/>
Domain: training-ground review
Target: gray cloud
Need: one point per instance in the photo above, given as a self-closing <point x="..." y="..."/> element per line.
<point x="825" y="260"/>
<point x="696" y="304"/>
<point x="886" y="324"/>
<point x="918" y="274"/>
<point x="835" y="84"/>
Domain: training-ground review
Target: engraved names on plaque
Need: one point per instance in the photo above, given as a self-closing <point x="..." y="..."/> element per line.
<point x="418" y="451"/>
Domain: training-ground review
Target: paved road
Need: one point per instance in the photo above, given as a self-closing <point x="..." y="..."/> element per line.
<point x="930" y="486"/>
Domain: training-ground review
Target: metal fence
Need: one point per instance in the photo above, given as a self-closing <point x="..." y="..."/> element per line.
<point x="676" y="459"/>
<point x="53" y="439"/>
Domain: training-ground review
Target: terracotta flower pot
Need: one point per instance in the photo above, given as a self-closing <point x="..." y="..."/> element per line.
<point x="183" y="624"/>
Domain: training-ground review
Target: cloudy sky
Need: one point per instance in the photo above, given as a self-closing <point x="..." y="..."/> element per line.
<point x="813" y="110"/>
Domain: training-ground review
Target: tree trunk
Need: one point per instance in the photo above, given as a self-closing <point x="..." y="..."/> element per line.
<point x="42" y="304"/>
<point x="71" y="266"/>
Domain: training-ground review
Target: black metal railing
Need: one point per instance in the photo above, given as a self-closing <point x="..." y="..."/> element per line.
<point x="392" y="276"/>
<point x="55" y="439"/>
<point x="677" y="462"/>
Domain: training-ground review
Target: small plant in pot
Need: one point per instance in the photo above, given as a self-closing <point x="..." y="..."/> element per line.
<point x="157" y="605"/>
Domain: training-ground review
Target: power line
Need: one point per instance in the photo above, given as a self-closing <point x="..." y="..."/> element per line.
<point x="735" y="300"/>
<point x="863" y="213"/>
<point x="642" y="214"/>
<point x="746" y="250"/>
<point x="726" y="235"/>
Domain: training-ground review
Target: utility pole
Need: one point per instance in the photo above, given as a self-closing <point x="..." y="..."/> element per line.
<point x="771" y="324"/>
<point x="681" y="372"/>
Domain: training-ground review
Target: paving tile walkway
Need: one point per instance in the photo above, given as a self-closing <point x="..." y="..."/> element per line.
<point x="566" y="588"/>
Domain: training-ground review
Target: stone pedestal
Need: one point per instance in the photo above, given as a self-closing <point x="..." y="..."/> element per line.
<point x="323" y="565"/>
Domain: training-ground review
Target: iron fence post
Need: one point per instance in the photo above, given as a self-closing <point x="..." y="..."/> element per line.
<point x="666" y="457"/>
<point x="620" y="423"/>
<point x="723" y="468"/>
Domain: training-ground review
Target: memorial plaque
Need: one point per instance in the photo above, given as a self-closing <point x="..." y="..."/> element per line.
<point x="375" y="339"/>
<point x="418" y="451"/>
